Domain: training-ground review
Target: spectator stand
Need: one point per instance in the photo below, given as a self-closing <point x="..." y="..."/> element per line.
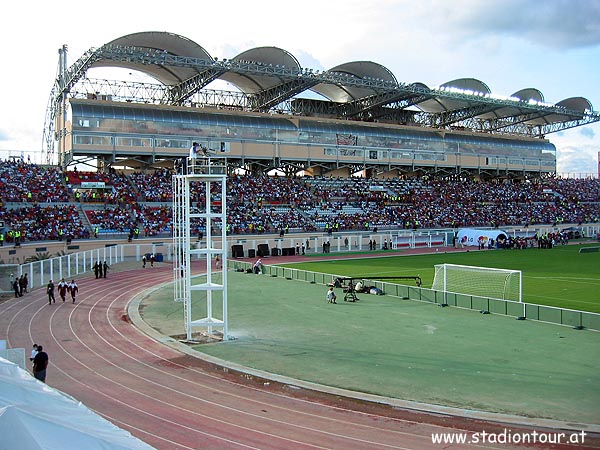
<point x="269" y="204"/>
<point x="43" y="222"/>
<point x="29" y="183"/>
<point x="108" y="220"/>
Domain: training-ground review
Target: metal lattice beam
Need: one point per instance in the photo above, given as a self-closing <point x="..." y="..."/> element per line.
<point x="390" y="100"/>
<point x="155" y="57"/>
<point x="181" y="92"/>
<point x="446" y="118"/>
<point x="265" y="100"/>
<point x="400" y="100"/>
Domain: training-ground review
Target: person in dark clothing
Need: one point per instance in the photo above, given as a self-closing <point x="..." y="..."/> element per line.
<point x="40" y="363"/>
<point x="22" y="281"/>
<point x="25" y="283"/>
<point x="17" y="288"/>
<point x="62" y="289"/>
<point x="97" y="269"/>
<point x="104" y="269"/>
<point x="73" y="289"/>
<point x="50" y="292"/>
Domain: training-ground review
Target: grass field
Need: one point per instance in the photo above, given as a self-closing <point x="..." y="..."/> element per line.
<point x="560" y="277"/>
<point x="401" y="349"/>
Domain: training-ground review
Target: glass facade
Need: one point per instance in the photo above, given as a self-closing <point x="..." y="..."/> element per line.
<point x="167" y="128"/>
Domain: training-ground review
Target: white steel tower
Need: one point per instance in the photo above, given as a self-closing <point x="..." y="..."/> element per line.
<point x="200" y="205"/>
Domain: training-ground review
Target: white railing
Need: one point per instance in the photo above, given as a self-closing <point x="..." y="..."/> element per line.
<point x="74" y="265"/>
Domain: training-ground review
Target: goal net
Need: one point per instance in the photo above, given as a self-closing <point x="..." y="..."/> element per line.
<point x="479" y="281"/>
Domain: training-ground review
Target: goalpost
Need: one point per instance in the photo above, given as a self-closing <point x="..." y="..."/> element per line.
<point x="487" y="282"/>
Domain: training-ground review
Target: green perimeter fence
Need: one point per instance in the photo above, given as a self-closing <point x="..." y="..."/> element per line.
<point x="542" y="313"/>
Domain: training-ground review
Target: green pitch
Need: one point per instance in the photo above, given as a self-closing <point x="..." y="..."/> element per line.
<point x="401" y="349"/>
<point x="560" y="277"/>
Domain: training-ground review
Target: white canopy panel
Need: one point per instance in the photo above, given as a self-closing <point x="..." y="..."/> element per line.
<point x="268" y="56"/>
<point x="359" y="70"/>
<point x="34" y="416"/>
<point x="339" y="92"/>
<point x="159" y="41"/>
<point x="440" y="104"/>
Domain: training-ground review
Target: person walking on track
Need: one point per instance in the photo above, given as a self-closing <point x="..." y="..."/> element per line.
<point x="50" y="292"/>
<point x="73" y="289"/>
<point x="40" y="363"/>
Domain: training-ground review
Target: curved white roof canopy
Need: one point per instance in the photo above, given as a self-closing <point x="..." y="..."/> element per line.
<point x="464" y="85"/>
<point x="159" y="41"/>
<point x="268" y="56"/>
<point x="525" y="95"/>
<point x="360" y="70"/>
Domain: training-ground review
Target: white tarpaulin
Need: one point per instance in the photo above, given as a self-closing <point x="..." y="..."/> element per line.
<point x="471" y="236"/>
<point x="34" y="416"/>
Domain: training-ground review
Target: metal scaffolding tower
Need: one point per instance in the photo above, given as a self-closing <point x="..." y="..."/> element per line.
<point x="200" y="203"/>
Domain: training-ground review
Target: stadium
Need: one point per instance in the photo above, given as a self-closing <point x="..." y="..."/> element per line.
<point x="364" y="120"/>
<point x="349" y="159"/>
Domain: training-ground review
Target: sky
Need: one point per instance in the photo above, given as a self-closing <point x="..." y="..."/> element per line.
<point x="551" y="45"/>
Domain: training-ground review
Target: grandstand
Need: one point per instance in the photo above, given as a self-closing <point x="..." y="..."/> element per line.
<point x="365" y="122"/>
<point x="373" y="152"/>
<point x="76" y="204"/>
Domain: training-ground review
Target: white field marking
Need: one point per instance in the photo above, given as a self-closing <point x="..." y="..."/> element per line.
<point x="320" y="417"/>
<point x="410" y="271"/>
<point x="315" y="430"/>
<point x="430" y="329"/>
<point x="596" y="280"/>
<point x="561" y="298"/>
<point x="88" y="387"/>
<point x="117" y="400"/>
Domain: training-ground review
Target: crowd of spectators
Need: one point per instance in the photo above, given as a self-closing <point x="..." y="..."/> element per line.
<point x="76" y="177"/>
<point x="37" y="223"/>
<point x="23" y="182"/>
<point x="153" y="187"/>
<point x="109" y="219"/>
<point x="260" y="190"/>
<point x="289" y="218"/>
<point x="124" y="192"/>
<point x="450" y="203"/>
<point x="116" y="188"/>
<point x="153" y="220"/>
<point x="270" y="204"/>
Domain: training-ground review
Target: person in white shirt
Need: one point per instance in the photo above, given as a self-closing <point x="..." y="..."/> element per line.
<point x="194" y="150"/>
<point x="73" y="289"/>
<point x="62" y="289"/>
<point x="331" y="297"/>
<point x="257" y="268"/>
<point x="34" y="352"/>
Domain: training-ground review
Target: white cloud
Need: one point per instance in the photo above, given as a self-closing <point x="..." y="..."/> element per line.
<point x="587" y="132"/>
<point x="577" y="151"/>
<point x="560" y="24"/>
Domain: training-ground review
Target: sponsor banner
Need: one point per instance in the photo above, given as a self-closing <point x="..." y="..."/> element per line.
<point x="471" y="236"/>
<point x="93" y="184"/>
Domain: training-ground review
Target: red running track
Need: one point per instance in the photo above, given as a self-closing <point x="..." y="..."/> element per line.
<point x="172" y="400"/>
